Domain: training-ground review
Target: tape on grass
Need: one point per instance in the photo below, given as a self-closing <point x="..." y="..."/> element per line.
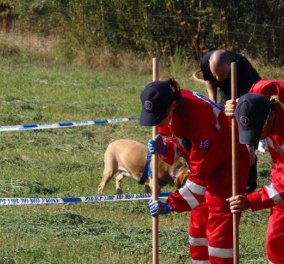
<point x="86" y="199"/>
<point x="65" y="124"/>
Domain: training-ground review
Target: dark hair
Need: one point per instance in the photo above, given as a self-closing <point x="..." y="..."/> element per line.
<point x="177" y="91"/>
<point x="175" y="88"/>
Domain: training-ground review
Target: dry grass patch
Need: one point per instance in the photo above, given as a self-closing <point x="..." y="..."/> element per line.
<point x="30" y="43"/>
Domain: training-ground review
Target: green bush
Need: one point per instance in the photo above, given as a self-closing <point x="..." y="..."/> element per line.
<point x="160" y="27"/>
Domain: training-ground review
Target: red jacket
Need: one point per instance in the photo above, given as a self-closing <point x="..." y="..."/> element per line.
<point x="204" y="125"/>
<point x="272" y="194"/>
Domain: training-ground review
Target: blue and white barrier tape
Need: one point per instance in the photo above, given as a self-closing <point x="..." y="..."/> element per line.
<point x="65" y="124"/>
<point x="87" y="199"/>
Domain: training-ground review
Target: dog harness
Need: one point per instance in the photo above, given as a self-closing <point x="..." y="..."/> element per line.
<point x="147" y="169"/>
<point x="148" y="172"/>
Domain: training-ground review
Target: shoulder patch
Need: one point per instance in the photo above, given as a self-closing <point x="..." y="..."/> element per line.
<point x="204" y="143"/>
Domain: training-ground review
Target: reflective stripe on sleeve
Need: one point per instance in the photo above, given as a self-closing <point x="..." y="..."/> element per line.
<point x="194" y="241"/>
<point x="188" y="196"/>
<point x="195" y="188"/>
<point x="220" y="252"/>
<point x="273" y="193"/>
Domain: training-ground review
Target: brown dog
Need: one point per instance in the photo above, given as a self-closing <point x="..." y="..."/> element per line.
<point x="128" y="158"/>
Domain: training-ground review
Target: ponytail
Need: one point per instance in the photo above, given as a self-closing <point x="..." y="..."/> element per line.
<point x="275" y="100"/>
<point x="175" y="88"/>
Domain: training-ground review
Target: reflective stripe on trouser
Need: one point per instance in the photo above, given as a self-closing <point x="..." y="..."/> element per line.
<point x="194" y="241"/>
<point x="197" y="239"/>
<point x="220" y="234"/>
<point x="200" y="262"/>
<point x="220" y="252"/>
<point x="198" y="250"/>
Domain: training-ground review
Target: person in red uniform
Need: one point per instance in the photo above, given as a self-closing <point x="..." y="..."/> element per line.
<point x="193" y="118"/>
<point x="261" y="114"/>
<point x="197" y="238"/>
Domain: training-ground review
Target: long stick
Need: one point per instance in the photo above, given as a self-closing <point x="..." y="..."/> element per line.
<point x="234" y="164"/>
<point x="155" y="220"/>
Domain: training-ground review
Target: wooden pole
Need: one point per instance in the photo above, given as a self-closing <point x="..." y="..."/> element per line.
<point x="234" y="164"/>
<point x="155" y="220"/>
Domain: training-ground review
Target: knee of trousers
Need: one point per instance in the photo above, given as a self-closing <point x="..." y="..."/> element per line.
<point x="198" y="248"/>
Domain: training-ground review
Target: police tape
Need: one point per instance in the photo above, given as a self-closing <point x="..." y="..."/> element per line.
<point x="65" y="124"/>
<point x="86" y="199"/>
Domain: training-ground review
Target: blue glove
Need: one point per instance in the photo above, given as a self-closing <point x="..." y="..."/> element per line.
<point x="157" y="145"/>
<point x="159" y="208"/>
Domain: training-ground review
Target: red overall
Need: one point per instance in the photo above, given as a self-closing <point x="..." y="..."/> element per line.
<point x="272" y="196"/>
<point x="198" y="218"/>
<point x="205" y="126"/>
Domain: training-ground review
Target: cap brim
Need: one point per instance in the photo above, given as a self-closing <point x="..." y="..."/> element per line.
<point x="250" y="136"/>
<point x="150" y="119"/>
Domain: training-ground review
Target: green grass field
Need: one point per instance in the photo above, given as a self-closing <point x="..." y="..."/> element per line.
<point x="68" y="162"/>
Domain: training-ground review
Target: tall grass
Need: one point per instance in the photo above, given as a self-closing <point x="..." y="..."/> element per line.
<point x="69" y="162"/>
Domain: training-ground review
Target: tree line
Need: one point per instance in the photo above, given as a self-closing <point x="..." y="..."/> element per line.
<point x="160" y="27"/>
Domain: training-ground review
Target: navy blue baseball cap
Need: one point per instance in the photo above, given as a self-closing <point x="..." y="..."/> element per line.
<point x="156" y="100"/>
<point x="251" y="113"/>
